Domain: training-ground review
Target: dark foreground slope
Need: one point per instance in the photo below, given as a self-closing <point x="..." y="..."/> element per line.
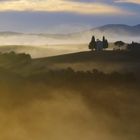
<point x="106" y="61"/>
<point x="37" y="103"/>
<point x="95" y="57"/>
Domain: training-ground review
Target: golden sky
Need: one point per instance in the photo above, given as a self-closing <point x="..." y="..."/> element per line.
<point x="60" y="6"/>
<point x="47" y="15"/>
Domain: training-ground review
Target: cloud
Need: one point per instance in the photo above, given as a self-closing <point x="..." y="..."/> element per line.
<point x="60" y="6"/>
<point x="128" y="1"/>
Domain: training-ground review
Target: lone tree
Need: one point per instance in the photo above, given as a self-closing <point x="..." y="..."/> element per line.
<point x="105" y="43"/>
<point x="119" y="43"/>
<point x="92" y="44"/>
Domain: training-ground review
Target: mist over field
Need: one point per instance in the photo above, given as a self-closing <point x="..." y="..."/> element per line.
<point x="69" y="69"/>
<point x="51" y="105"/>
<point x="53" y="88"/>
<point x="39" y="112"/>
<point x="43" y="45"/>
<point x="13" y="38"/>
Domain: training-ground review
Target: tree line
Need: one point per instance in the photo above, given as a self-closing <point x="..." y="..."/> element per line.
<point x="99" y="45"/>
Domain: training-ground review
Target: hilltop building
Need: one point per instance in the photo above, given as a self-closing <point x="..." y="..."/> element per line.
<point x="99" y="45"/>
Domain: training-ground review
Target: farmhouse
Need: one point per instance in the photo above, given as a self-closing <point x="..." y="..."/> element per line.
<point x="99" y="45"/>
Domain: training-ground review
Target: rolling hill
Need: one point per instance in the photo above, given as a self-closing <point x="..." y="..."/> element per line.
<point x="107" y="61"/>
<point x="119" y="29"/>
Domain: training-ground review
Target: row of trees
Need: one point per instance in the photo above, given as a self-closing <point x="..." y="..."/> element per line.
<point x="134" y="46"/>
<point x="94" y="44"/>
<point x="119" y="44"/>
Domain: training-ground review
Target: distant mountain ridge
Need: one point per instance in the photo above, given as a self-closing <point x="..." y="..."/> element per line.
<point x="119" y="29"/>
<point x="10" y="33"/>
<point x="112" y="32"/>
<point x="108" y="28"/>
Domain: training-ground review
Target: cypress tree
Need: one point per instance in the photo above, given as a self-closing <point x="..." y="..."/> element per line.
<point x="105" y="43"/>
<point x="92" y="44"/>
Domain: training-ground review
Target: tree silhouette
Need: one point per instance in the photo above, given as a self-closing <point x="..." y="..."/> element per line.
<point x="92" y="44"/>
<point x="134" y="46"/>
<point x="105" y="43"/>
<point x="119" y="43"/>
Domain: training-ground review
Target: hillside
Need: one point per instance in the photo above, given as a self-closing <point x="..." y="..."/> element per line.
<point x="39" y="96"/>
<point x="94" y="56"/>
<point x="105" y="61"/>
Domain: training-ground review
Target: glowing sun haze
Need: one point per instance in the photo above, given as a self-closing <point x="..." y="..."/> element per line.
<point x="59" y="6"/>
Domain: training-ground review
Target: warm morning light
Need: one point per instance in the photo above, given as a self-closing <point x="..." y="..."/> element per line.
<point x="69" y="69"/>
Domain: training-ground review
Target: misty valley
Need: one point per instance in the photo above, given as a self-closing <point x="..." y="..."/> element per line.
<point x="84" y="95"/>
<point x="69" y="69"/>
<point x="72" y="86"/>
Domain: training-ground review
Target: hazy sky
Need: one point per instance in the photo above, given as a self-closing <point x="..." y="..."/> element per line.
<point x="66" y="15"/>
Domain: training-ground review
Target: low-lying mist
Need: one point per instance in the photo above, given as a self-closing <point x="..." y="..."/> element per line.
<point x="44" y="51"/>
<point x="65" y="114"/>
<point x="43" y="99"/>
<point x="70" y="105"/>
<point x="58" y="39"/>
<point x="50" y="45"/>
